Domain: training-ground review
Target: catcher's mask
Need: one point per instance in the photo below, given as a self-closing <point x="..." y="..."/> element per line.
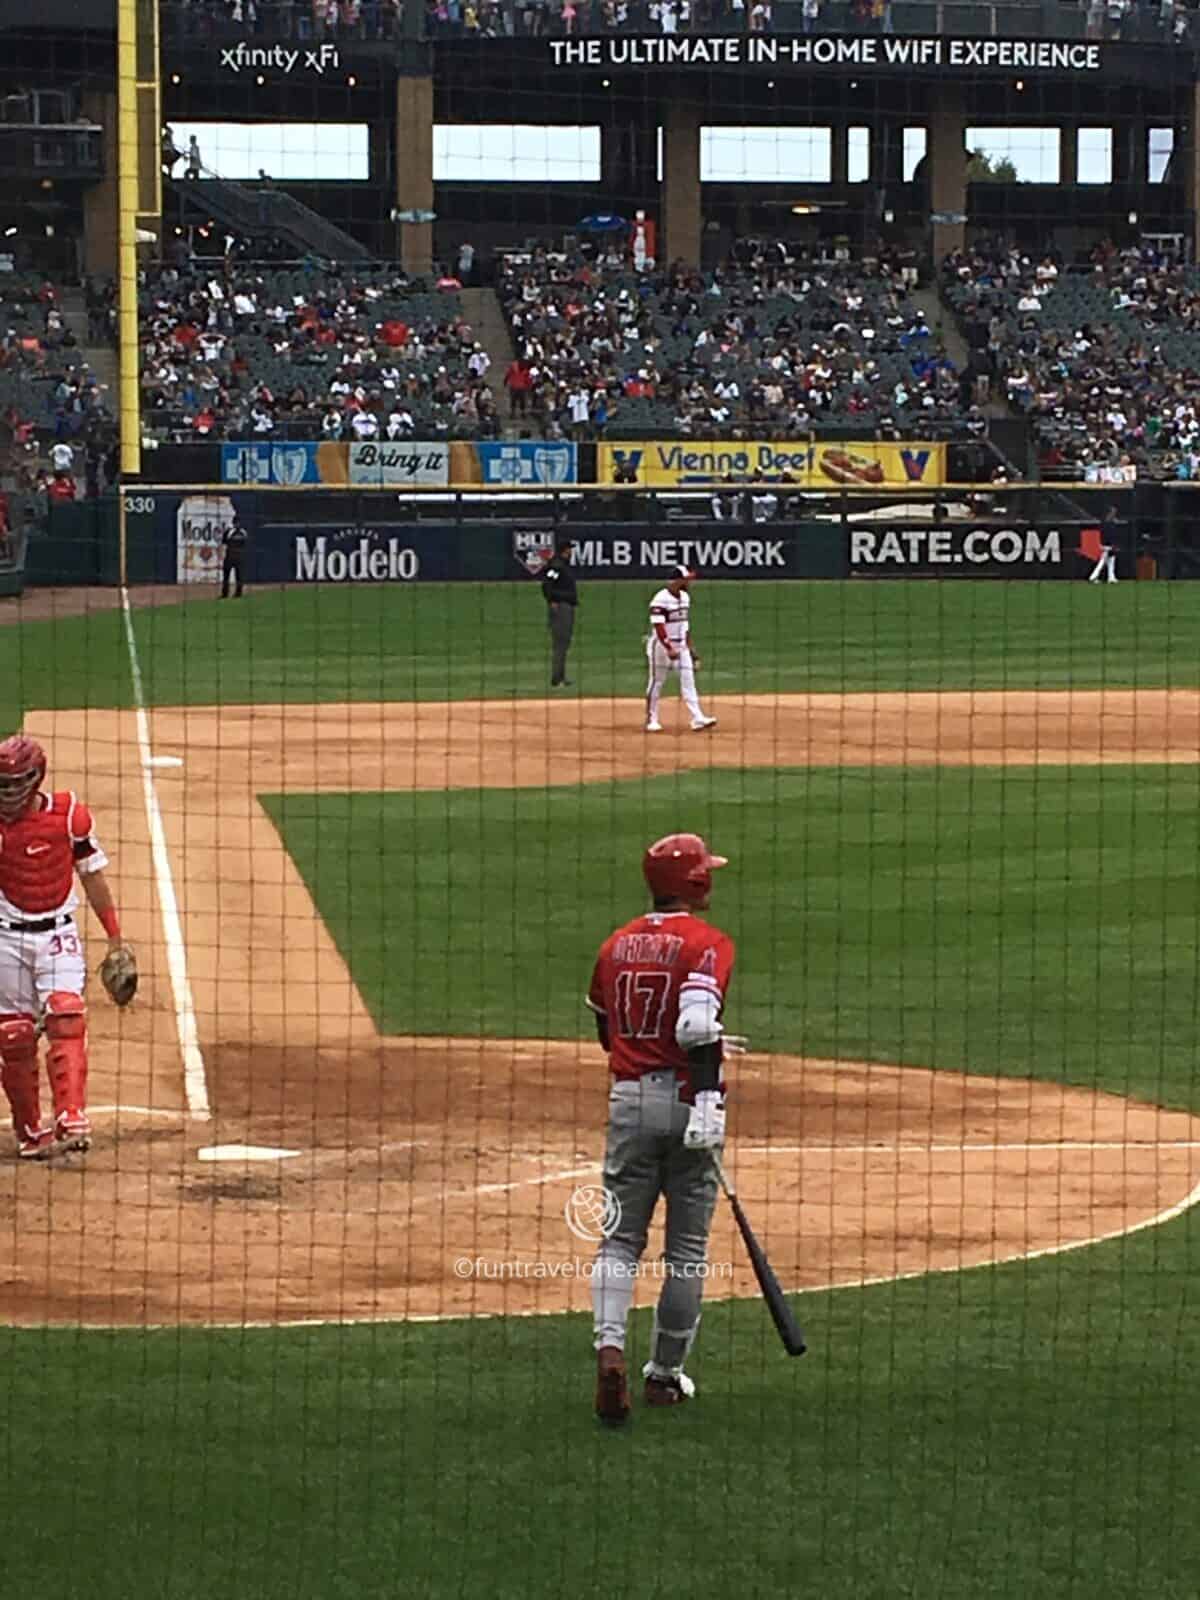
<point x="22" y="768"/>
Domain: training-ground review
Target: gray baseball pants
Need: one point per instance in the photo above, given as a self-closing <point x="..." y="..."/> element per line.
<point x="645" y="1158"/>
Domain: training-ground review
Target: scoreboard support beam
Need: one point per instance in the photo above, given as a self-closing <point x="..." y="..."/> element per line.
<point x="947" y="171"/>
<point x="682" y="220"/>
<point x="414" y="171"/>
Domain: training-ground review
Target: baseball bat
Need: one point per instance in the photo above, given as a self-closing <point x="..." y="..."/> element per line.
<point x="788" y="1328"/>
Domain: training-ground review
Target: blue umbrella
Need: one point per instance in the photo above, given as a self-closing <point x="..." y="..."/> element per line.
<point x="602" y="222"/>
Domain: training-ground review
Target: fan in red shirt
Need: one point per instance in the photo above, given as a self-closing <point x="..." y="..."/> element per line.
<point x="658" y="994"/>
<point x="46" y="842"/>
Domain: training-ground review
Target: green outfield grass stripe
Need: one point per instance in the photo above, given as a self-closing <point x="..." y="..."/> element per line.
<point x="1027" y="922"/>
<point x="490" y="641"/>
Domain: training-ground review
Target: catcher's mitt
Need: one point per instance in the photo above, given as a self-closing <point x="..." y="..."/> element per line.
<point x="119" y="974"/>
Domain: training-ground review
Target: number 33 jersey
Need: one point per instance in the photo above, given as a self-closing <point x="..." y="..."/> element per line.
<point x="641" y="974"/>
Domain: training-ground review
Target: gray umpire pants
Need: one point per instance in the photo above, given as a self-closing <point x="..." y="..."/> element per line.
<point x="645" y="1158"/>
<point x="562" y="626"/>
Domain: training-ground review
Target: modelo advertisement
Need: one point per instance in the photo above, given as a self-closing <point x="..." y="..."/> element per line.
<point x="964" y="550"/>
<point x="371" y="551"/>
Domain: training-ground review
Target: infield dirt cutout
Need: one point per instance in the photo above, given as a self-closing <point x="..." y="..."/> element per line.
<point x="430" y="1167"/>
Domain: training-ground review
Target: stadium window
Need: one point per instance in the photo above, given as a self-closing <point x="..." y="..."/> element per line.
<point x="766" y="155"/>
<point x="1095" y="158"/>
<point x="1018" y="155"/>
<point x="515" y="152"/>
<point x="1160" y="147"/>
<point x="914" y="146"/>
<point x="858" y="155"/>
<point x="290" y="151"/>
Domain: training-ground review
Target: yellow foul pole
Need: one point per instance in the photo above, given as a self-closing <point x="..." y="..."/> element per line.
<point x="127" y="207"/>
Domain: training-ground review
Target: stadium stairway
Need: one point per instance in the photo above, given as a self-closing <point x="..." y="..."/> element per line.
<point x="101" y="358"/>
<point x="942" y="319"/>
<point x="482" y="310"/>
<point x="258" y="211"/>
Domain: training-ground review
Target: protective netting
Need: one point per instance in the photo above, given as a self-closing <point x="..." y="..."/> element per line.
<point x="489" y="536"/>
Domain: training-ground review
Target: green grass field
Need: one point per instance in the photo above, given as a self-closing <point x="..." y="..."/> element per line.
<point x="455" y="641"/>
<point x="1024" y="1431"/>
<point x="1025" y="921"/>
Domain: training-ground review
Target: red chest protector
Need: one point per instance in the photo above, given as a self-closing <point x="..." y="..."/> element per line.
<point x="38" y="853"/>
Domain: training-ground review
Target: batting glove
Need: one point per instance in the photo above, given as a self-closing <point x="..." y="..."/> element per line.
<point x="706" y="1122"/>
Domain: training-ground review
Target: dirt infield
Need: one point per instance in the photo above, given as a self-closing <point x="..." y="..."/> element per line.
<point x="430" y="1176"/>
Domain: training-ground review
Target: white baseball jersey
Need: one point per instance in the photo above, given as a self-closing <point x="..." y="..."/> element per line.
<point x="672" y="610"/>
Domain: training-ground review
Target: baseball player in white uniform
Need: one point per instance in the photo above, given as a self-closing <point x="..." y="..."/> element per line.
<point x="669" y="649"/>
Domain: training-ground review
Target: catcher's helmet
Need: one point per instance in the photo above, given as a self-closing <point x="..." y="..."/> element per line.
<point x="680" y="867"/>
<point x="22" y="768"/>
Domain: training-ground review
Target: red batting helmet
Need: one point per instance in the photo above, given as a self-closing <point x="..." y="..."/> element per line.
<point x="680" y="867"/>
<point x="22" y="768"/>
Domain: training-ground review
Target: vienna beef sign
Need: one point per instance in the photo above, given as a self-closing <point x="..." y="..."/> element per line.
<point x="804" y="52"/>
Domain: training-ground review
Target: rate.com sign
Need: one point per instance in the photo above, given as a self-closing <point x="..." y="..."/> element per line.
<point x="964" y="552"/>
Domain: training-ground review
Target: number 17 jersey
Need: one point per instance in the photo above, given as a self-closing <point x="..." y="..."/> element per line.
<point x="642" y="973"/>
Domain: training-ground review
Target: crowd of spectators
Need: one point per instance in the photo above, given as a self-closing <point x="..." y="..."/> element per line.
<point x="244" y="352"/>
<point x="345" y="20"/>
<point x="1104" y="358"/>
<point x="773" y="342"/>
<point x="1163" y="21"/>
<point x="57" y="421"/>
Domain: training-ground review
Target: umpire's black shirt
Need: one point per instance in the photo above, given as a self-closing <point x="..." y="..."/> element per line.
<point x="234" y="540"/>
<point x="558" y="583"/>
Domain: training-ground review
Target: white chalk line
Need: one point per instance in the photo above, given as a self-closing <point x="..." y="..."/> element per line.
<point x="135" y="1111"/>
<point x="963" y="1149"/>
<point x="195" y="1082"/>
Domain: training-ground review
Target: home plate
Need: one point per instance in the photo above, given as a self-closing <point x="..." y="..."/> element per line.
<point x="164" y="761"/>
<point x="244" y="1152"/>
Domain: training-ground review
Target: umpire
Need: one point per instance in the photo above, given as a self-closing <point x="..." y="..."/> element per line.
<point x="233" y="543"/>
<point x="562" y="596"/>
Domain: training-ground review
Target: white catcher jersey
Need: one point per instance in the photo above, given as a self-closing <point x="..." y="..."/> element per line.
<point x="671" y="609"/>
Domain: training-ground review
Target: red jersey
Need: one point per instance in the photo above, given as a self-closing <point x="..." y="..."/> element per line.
<point x="41" y="852"/>
<point x="640" y="974"/>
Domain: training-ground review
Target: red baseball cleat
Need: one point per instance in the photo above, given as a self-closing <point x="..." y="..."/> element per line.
<point x="612" y="1387"/>
<point x="35" y="1144"/>
<point x="73" y="1130"/>
<point x="670" y="1391"/>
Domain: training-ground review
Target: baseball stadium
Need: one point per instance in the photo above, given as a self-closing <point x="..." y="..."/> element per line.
<point x="600" y="798"/>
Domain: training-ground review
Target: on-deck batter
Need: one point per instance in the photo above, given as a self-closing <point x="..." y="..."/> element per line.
<point x="658" y="991"/>
<point x="45" y="841"/>
<point x="669" y="649"/>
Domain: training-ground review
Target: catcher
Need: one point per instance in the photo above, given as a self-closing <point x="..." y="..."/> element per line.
<point x="45" y="840"/>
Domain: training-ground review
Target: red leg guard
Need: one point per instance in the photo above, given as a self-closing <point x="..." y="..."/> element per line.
<point x="66" y="1029"/>
<point x="19" y="1072"/>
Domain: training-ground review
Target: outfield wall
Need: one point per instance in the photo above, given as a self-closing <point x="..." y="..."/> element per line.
<point x="365" y="539"/>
